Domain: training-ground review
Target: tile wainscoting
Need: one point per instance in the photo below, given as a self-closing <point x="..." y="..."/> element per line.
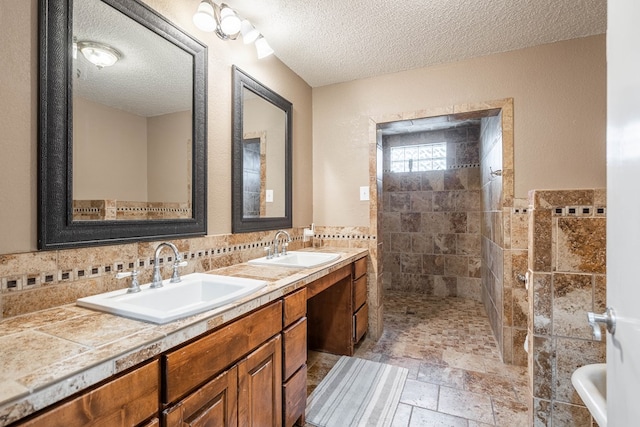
<point x="567" y="278"/>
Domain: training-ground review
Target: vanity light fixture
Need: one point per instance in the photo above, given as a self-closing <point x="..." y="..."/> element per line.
<point x="99" y="54"/>
<point x="227" y="25"/>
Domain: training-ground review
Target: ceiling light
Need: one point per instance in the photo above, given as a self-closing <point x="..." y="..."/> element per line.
<point x="263" y="48"/>
<point x="249" y="32"/>
<point x="204" y="17"/>
<point x="100" y="55"/>
<point x="230" y="23"/>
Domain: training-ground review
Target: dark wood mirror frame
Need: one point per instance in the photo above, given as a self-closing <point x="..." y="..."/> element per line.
<point x="56" y="228"/>
<point x="242" y="224"/>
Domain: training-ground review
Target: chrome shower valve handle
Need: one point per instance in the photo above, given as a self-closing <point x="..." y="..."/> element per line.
<point x="608" y="318"/>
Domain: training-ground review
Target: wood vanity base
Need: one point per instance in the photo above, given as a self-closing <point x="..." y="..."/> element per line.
<point x="337" y="310"/>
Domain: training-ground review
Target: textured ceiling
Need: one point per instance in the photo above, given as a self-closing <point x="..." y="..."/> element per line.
<point x="333" y="41"/>
<point x="153" y="77"/>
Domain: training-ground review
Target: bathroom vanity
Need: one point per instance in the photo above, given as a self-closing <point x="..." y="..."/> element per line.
<point x="239" y="365"/>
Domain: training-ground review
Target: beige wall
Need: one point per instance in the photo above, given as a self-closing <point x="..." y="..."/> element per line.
<point x="109" y="153"/>
<point x="262" y="117"/>
<point x="559" y="93"/>
<point x="169" y="157"/>
<point x="18" y="120"/>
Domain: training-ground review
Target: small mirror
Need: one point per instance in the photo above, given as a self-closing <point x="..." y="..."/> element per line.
<point x="261" y="156"/>
<point x="122" y="125"/>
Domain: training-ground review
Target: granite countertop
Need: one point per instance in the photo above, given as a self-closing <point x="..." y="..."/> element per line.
<point x="51" y="354"/>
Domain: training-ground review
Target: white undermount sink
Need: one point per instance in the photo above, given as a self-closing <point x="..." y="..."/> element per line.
<point x="590" y="381"/>
<point x="197" y="292"/>
<point x="297" y="259"/>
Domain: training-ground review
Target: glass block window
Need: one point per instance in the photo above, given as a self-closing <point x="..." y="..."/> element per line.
<point x="419" y="158"/>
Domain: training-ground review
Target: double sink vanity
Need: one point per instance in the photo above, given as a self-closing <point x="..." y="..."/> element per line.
<point x="225" y="347"/>
<point x="242" y="362"/>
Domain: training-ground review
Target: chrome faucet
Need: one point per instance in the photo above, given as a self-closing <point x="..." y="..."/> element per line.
<point x="177" y="262"/>
<point x="284" y="244"/>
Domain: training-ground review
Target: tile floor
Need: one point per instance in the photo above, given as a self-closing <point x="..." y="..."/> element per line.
<point x="455" y="378"/>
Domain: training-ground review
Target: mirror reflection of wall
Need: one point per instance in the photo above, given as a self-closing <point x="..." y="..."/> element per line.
<point x="132" y="134"/>
<point x="261" y="117"/>
<point x="254" y="171"/>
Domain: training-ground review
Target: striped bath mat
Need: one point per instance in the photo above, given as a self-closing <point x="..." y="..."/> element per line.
<point x="356" y="392"/>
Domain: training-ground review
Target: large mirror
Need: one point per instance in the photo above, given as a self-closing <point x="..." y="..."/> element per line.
<point x="261" y="188"/>
<point x="122" y="133"/>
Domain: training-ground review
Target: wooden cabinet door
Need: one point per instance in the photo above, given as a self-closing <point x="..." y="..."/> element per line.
<point x="294" y="393"/>
<point x="294" y="343"/>
<point x="195" y="363"/>
<point x="125" y="401"/>
<point x="260" y="383"/>
<point x="214" y="404"/>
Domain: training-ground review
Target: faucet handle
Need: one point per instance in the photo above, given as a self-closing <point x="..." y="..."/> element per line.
<point x="268" y="251"/>
<point x="135" y="285"/>
<point x="285" y="245"/>
<point x="175" y="277"/>
<point x="608" y="318"/>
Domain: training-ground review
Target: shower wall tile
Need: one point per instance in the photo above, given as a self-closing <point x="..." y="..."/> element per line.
<point x="543" y="362"/>
<point x="541" y="249"/>
<point x="547" y="199"/>
<point x="542" y="413"/>
<point x="468" y="244"/>
<point x="600" y="294"/>
<point x="444" y="244"/>
<point x="410" y="222"/>
<point x="581" y="245"/>
<point x="567" y="259"/>
<point x="422" y="243"/>
<point x="507" y="306"/>
<point x="570" y="415"/>
<point x="519" y="339"/>
<point x="456" y="266"/>
<point x="399" y="202"/>
<point x="519" y="229"/>
<point x="570" y="355"/>
<point x="455" y="222"/>
<point x="444" y="201"/>
<point x="433" y="181"/>
<point x="520" y="307"/>
<point x="572" y="298"/>
<point x="432" y="220"/>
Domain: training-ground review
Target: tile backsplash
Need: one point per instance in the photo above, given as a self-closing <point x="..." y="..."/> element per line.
<point x="35" y="281"/>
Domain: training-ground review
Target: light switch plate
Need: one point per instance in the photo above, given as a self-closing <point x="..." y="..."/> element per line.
<point x="364" y="193"/>
<point x="269" y="196"/>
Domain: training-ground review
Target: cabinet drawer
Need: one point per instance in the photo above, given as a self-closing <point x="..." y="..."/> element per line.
<point x="215" y="403"/>
<point x="294" y="394"/>
<point x="295" y="307"/>
<point x="360" y="268"/>
<point x="193" y="364"/>
<point x="295" y="347"/>
<point x="360" y="322"/>
<point x="128" y="400"/>
<point x="359" y="292"/>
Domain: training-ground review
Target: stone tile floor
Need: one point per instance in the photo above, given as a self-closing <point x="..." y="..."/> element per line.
<point x="455" y="378"/>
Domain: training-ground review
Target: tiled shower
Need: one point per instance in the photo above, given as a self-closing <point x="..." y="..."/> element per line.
<point x="449" y="232"/>
<point x="431" y="219"/>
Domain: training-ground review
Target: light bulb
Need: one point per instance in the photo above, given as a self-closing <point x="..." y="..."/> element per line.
<point x="249" y="32"/>
<point x="229" y="22"/>
<point x="263" y="48"/>
<point x="203" y="18"/>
